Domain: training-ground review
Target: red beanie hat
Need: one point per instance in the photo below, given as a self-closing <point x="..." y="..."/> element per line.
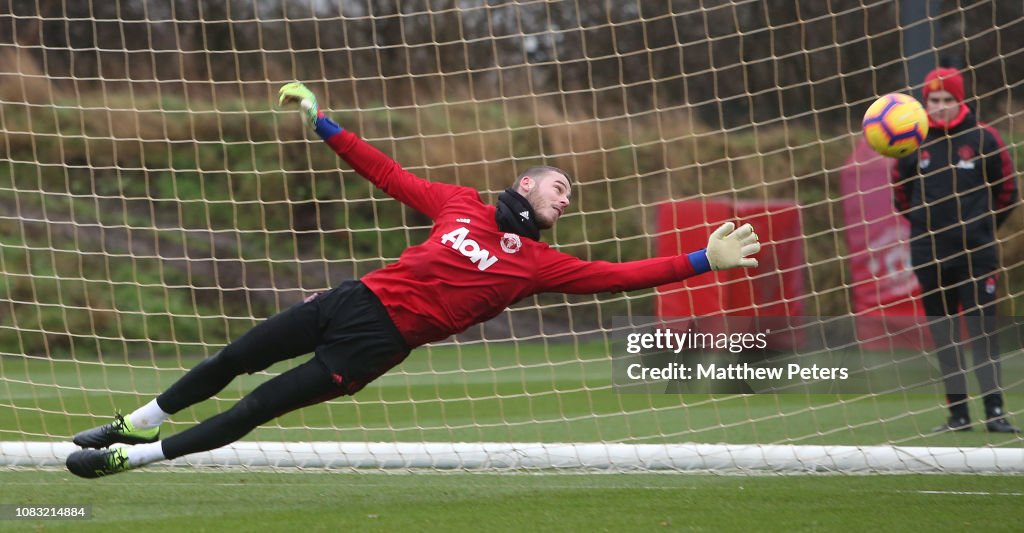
<point x="944" y="79"/>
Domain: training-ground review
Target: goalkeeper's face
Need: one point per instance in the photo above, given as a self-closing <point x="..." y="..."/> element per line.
<point x="548" y="194"/>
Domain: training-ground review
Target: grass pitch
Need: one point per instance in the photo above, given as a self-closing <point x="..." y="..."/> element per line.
<point x="222" y="501"/>
<point x="494" y="393"/>
<point x="500" y="393"/>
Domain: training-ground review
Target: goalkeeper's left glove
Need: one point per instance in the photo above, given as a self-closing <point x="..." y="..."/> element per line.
<point x="728" y="248"/>
<point x="297" y="93"/>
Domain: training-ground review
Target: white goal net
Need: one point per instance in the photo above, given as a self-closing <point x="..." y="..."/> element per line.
<point x="155" y="204"/>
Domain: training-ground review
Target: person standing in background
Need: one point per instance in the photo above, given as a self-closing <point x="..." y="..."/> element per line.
<point x="956" y="190"/>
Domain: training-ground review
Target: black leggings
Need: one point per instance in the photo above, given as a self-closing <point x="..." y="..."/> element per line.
<point x="306" y="384"/>
<point x="945" y="289"/>
<point x="354" y="341"/>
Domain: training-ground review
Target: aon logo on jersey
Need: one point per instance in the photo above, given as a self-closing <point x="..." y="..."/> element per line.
<point x="469" y="248"/>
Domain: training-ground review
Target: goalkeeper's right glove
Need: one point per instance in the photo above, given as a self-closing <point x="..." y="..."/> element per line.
<point x="297" y="93"/>
<point x="728" y="248"/>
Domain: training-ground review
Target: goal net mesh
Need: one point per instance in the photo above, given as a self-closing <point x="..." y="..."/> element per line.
<point x="155" y="204"/>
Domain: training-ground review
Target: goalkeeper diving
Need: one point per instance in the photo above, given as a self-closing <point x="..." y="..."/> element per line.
<point x="478" y="260"/>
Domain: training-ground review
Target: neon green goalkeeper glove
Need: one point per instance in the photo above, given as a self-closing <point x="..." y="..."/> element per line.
<point x="728" y="248"/>
<point x="297" y="93"/>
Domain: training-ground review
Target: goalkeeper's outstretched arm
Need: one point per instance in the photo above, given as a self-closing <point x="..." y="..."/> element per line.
<point x="727" y="248"/>
<point x="424" y="196"/>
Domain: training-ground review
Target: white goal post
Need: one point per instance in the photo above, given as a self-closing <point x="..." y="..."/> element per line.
<point x="155" y="204"/>
<point x="549" y="456"/>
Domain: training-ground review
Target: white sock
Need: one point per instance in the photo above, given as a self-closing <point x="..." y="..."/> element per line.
<point x="143" y="454"/>
<point x="148" y="416"/>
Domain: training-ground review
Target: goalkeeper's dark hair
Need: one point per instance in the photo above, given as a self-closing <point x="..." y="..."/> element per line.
<point x="539" y="172"/>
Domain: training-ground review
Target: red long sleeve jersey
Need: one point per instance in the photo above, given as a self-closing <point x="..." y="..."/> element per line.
<point x="468" y="270"/>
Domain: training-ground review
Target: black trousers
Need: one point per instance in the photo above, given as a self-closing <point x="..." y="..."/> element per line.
<point x="963" y="288"/>
<point x="354" y="341"/>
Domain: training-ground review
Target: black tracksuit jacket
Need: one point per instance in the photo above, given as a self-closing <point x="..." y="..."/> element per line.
<point x="956" y="190"/>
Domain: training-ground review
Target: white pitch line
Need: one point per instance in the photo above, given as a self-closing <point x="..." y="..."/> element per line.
<point x="969" y="493"/>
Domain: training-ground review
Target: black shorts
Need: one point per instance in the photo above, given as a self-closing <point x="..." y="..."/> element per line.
<point x="347" y="328"/>
<point x="358" y="340"/>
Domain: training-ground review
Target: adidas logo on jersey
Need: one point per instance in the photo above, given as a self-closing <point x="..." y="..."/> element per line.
<point x="456" y="238"/>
